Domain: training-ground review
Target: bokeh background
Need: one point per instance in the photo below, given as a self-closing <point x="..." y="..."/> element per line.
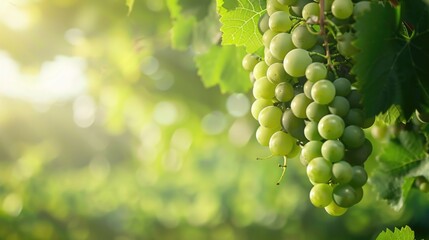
<point x="106" y="132"/>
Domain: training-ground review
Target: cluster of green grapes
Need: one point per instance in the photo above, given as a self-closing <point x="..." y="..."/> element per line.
<point x="305" y="102"/>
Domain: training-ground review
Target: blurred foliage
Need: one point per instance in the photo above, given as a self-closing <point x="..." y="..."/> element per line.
<point x="143" y="150"/>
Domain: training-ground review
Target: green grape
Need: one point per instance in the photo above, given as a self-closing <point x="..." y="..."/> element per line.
<point x="319" y="170"/>
<point x="267" y="37"/>
<point x="260" y="70"/>
<point x="262" y="88"/>
<point x="293" y="125"/>
<point x="353" y="137"/>
<point x="299" y="105"/>
<point x="284" y="92"/>
<point x="323" y="92"/>
<point x="249" y="61"/>
<point x="342" y="172"/>
<point x="274" y="6"/>
<point x="269" y="58"/>
<point x="368" y="122"/>
<point x="333" y="150"/>
<point x="318" y="49"/>
<point x="359" y="155"/>
<point x="331" y="127"/>
<point x="316" y="111"/>
<point x="258" y="105"/>
<point x="361" y="8"/>
<point x="276" y="73"/>
<point x="264" y="134"/>
<point x="316" y="71"/>
<point x="345" y="46"/>
<point x="311" y="132"/>
<point x="302" y="38"/>
<point x="339" y="106"/>
<point x="263" y="23"/>
<point x="310" y="151"/>
<point x="359" y="178"/>
<point x="321" y="195"/>
<point x="355" y="116"/>
<point x="342" y="87"/>
<point x="281" y="44"/>
<point x="296" y="61"/>
<point x="296" y="150"/>
<point x="334" y="210"/>
<point x="280" y="22"/>
<point x="310" y="9"/>
<point x="328" y="5"/>
<point x="281" y="143"/>
<point x="344" y="195"/>
<point x="307" y="89"/>
<point x="354" y="98"/>
<point x="342" y="9"/>
<point x="297" y="8"/>
<point x="270" y="117"/>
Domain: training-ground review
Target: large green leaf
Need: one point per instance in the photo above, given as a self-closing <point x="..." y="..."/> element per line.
<point x="240" y="24"/>
<point x="390" y="67"/>
<point x="404" y="233"/>
<point x="222" y="65"/>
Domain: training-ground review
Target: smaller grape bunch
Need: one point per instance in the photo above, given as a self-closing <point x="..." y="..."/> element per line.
<point x="305" y="100"/>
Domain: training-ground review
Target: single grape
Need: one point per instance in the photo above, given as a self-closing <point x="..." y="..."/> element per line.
<point x="334" y="210"/>
<point x="358" y="156"/>
<point x="249" y="61"/>
<point x="263" y="23"/>
<point x="360" y="177"/>
<point x="284" y="92"/>
<point x="354" y="98"/>
<point x="339" y="106"/>
<point x="267" y="37"/>
<point x="260" y="70"/>
<point x="316" y="111"/>
<point x="281" y="143"/>
<point x="274" y="6"/>
<point x="310" y="151"/>
<point x="342" y="87"/>
<point x="319" y="170"/>
<point x="355" y="116"/>
<point x="302" y="38"/>
<point x="318" y="49"/>
<point x="331" y="127"/>
<point x="310" y="9"/>
<point x="296" y="151"/>
<point x="281" y="44"/>
<point x="345" y="46"/>
<point x="333" y="150"/>
<point x="280" y="22"/>
<point x="344" y="195"/>
<point x="353" y="137"/>
<point x="269" y="58"/>
<point x="342" y="9"/>
<point x="293" y="125"/>
<point x="270" y="117"/>
<point x="262" y="88"/>
<point x="311" y="132"/>
<point x="296" y="61"/>
<point x="264" y="134"/>
<point x="258" y="105"/>
<point x="316" y="71"/>
<point x="297" y="8"/>
<point x="359" y="195"/>
<point x="323" y="92"/>
<point x="299" y="105"/>
<point x="276" y="73"/>
<point x="321" y="195"/>
<point x="342" y="172"/>
<point x="307" y="89"/>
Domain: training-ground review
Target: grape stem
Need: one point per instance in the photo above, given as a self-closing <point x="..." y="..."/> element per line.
<point x="322" y="22"/>
<point x="283" y="166"/>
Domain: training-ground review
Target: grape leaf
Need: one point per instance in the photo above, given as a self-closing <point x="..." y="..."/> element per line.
<point x="391" y="115"/>
<point x="181" y="33"/>
<point x="222" y="65"/>
<point x="390" y="68"/>
<point x="400" y="162"/>
<point x="240" y="25"/>
<point x="130" y="4"/>
<point x="404" y="233"/>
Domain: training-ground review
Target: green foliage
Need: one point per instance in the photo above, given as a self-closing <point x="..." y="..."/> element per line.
<point x="400" y="162"/>
<point x="222" y="65"/>
<point x="240" y="24"/>
<point x="404" y="233"/>
<point x="390" y="66"/>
